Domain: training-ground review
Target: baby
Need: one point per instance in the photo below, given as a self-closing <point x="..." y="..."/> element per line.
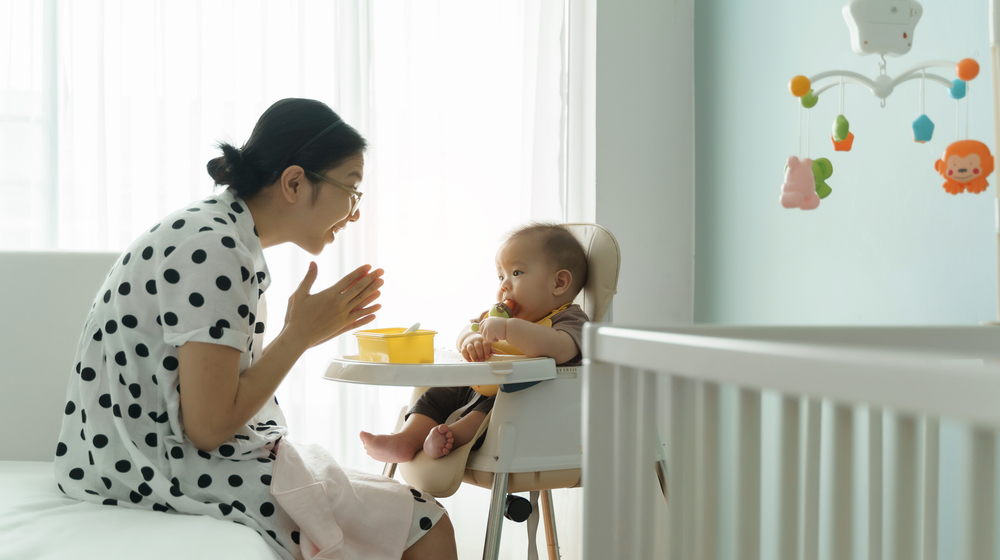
<point x="541" y="268"/>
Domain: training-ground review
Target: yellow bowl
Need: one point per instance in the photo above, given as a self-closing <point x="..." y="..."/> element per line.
<point x="392" y="346"/>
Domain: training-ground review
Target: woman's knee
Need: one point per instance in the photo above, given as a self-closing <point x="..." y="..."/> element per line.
<point x="446" y="531"/>
<point x="438" y="543"/>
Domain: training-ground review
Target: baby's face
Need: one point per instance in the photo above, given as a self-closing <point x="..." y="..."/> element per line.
<point x="527" y="280"/>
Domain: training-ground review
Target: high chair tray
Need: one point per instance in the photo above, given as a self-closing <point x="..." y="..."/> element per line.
<point x="448" y="370"/>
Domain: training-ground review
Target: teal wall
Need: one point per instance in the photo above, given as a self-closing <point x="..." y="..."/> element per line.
<point x="889" y="246"/>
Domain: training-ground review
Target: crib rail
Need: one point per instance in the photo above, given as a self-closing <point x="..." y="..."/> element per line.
<point x="825" y="385"/>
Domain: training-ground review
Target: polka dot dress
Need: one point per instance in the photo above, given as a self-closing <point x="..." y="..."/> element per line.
<point x="199" y="275"/>
<point x="426" y="513"/>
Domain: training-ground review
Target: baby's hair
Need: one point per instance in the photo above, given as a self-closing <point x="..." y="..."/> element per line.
<point x="560" y="247"/>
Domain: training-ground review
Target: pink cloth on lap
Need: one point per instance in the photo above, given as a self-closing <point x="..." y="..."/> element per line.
<point x="342" y="515"/>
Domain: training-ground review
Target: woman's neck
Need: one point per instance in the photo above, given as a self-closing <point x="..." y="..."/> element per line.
<point x="266" y="214"/>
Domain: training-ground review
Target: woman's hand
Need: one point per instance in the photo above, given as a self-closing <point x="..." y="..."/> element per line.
<point x="316" y="318"/>
<point x="475" y="349"/>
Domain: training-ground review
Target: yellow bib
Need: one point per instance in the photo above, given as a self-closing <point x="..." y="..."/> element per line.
<point x="502" y="347"/>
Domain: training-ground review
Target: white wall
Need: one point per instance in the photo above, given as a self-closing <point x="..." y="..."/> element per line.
<point x="645" y="154"/>
<point x="631" y="163"/>
<point x="645" y="161"/>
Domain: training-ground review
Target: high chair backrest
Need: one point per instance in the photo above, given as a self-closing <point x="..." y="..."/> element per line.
<point x="603" y="263"/>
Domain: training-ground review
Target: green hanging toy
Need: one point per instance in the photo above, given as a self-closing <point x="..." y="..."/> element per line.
<point x="822" y="170"/>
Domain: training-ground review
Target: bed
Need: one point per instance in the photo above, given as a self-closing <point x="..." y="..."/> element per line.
<point x="46" y="296"/>
<point x="38" y="521"/>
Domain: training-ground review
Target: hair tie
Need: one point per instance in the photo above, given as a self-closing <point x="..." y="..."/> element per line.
<point x="337" y="123"/>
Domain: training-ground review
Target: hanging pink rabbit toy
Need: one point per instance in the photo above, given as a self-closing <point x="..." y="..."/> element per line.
<point x="799" y="189"/>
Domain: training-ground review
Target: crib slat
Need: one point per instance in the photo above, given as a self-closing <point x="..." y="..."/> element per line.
<point x="643" y="475"/>
<point x="675" y="473"/>
<point x="843" y="462"/>
<point x="706" y="535"/>
<point x="689" y="462"/>
<point x="981" y="518"/>
<point x="598" y="463"/>
<point x="930" y="493"/>
<point x="904" y="521"/>
<point x="810" y="537"/>
<point x="874" y="483"/>
<point x="789" y="481"/>
<point x="626" y="505"/>
<point x="748" y="522"/>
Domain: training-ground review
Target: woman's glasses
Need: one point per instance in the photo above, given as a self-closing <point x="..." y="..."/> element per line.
<point x="356" y="195"/>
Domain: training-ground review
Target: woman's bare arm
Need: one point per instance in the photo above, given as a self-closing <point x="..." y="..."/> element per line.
<point x="216" y="400"/>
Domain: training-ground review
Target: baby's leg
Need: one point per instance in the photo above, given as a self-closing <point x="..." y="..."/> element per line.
<point x="399" y="447"/>
<point x="442" y="439"/>
<point x="439" y="442"/>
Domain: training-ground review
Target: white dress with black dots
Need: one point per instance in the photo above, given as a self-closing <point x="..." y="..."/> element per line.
<point x="199" y="275"/>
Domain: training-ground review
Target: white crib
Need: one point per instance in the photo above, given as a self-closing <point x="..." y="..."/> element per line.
<point x="897" y="380"/>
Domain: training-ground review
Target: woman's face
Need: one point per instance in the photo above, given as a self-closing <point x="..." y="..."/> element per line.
<point x="324" y="218"/>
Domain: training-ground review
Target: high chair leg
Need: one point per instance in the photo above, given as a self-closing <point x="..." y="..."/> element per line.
<point x="389" y="470"/>
<point x="549" y="517"/>
<point x="491" y="551"/>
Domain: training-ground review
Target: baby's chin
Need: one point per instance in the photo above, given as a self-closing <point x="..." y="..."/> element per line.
<point x="530" y="315"/>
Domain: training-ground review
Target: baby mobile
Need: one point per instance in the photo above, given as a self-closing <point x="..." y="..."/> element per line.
<point x="884" y="27"/>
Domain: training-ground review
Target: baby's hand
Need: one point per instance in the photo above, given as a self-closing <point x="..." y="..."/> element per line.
<point x="475" y="349"/>
<point x="493" y="328"/>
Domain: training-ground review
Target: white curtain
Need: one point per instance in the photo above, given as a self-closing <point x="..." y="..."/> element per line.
<point x="109" y="111"/>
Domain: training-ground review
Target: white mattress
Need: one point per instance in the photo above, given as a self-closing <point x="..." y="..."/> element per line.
<point x="39" y="521"/>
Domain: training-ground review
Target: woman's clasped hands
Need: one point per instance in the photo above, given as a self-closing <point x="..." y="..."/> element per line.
<point x="316" y="318"/>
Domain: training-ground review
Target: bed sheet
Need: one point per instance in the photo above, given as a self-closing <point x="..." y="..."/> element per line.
<point x="38" y="522"/>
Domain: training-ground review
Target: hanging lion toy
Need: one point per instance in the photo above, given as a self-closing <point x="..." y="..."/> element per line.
<point x="965" y="166"/>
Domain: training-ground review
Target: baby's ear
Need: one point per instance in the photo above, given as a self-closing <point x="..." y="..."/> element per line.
<point x="564" y="279"/>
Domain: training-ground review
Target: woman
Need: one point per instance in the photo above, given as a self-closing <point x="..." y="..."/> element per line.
<point x="172" y="406"/>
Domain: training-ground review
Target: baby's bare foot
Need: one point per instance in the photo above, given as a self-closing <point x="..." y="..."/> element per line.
<point x="389" y="448"/>
<point x="439" y="442"/>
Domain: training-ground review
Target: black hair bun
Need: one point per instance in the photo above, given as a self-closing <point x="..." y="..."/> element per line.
<point x="232" y="169"/>
<point x="234" y="158"/>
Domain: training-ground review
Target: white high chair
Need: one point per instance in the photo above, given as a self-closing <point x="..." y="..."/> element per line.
<point x="517" y="456"/>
